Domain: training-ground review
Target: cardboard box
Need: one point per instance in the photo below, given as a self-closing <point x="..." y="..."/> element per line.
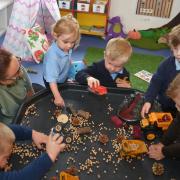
<point x="83" y="7"/>
<point x="65" y="4"/>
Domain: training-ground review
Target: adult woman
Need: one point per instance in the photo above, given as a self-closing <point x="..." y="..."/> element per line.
<point x="15" y="86"/>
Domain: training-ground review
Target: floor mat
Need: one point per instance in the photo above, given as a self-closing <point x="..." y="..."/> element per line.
<point x="148" y="43"/>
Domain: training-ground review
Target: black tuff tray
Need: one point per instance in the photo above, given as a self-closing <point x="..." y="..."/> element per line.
<point x="101" y="109"/>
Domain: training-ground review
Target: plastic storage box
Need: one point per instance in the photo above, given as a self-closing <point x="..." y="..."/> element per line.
<point x="65" y="4"/>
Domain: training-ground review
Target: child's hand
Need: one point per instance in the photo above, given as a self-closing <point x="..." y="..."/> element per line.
<point x="54" y="146"/>
<point x="124" y="84"/>
<point x="92" y="82"/>
<point x="59" y="101"/>
<point x="145" y="109"/>
<point x="39" y="138"/>
<point x="155" y="151"/>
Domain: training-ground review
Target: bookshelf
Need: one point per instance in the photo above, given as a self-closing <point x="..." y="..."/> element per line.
<point x="92" y="17"/>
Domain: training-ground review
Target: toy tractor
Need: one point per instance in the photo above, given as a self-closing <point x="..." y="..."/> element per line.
<point x="155" y="123"/>
<point x="66" y="176"/>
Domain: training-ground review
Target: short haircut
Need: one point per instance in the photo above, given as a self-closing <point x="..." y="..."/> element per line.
<point x="66" y="25"/>
<point x="7" y="137"/>
<point x="174" y="36"/>
<point x="117" y="47"/>
<point x="174" y="87"/>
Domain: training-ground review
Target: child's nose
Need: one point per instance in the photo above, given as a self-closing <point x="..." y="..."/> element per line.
<point x="69" y="45"/>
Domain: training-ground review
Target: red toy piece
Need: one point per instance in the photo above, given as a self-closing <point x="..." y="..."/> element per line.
<point x="116" y="121"/>
<point x="127" y="113"/>
<point x="137" y="132"/>
<point x="100" y="90"/>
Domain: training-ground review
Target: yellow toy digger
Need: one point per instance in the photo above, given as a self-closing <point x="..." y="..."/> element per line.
<point x="155" y="123"/>
<point x="133" y="148"/>
<point x="66" y="176"/>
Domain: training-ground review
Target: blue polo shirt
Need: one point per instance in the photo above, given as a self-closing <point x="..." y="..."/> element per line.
<point x="56" y="64"/>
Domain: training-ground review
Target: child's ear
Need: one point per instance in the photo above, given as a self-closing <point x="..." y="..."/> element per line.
<point x="104" y="54"/>
<point x="55" y="36"/>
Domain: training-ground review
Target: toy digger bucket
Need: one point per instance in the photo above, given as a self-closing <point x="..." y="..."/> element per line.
<point x="133" y="148"/>
<point x="66" y="176"/>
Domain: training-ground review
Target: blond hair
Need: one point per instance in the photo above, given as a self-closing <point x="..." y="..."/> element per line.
<point x="67" y="25"/>
<point x="7" y="137"/>
<point x="174" y="87"/>
<point x="117" y="47"/>
<point x="174" y="36"/>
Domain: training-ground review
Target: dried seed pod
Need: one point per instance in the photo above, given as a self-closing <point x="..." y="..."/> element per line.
<point x="158" y="169"/>
<point x="58" y="128"/>
<point x="63" y="118"/>
<point x="75" y="121"/>
<point x="103" y="138"/>
<point x="120" y="138"/>
<point x="84" y="130"/>
<point x="68" y="140"/>
<point x="83" y="114"/>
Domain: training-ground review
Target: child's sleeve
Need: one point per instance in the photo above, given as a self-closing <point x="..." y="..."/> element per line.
<point x="51" y="70"/>
<point x="35" y="170"/>
<point x="21" y="132"/>
<point x="82" y="75"/>
<point x="155" y="84"/>
<point x="172" y="148"/>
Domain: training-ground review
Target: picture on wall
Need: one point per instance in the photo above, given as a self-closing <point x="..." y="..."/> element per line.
<point x="158" y="8"/>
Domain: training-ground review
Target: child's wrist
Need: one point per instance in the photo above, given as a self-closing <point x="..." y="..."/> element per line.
<point x="51" y="157"/>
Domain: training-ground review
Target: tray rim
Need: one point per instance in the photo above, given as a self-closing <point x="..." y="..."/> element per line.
<point x="18" y="118"/>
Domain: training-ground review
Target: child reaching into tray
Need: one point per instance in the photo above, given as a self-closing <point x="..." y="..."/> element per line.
<point x="170" y="143"/>
<point x="110" y="71"/>
<point x="165" y="73"/>
<point x="38" y="167"/>
<point x="56" y="62"/>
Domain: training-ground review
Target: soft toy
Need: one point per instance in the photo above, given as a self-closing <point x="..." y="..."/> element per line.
<point x="134" y="34"/>
<point x="115" y="29"/>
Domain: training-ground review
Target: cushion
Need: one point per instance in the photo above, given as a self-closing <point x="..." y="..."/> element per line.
<point x="37" y="42"/>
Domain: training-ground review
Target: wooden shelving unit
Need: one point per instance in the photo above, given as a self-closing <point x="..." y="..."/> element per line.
<point x="91" y="23"/>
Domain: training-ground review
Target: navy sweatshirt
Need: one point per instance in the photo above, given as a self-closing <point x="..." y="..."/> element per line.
<point x="160" y="81"/>
<point x="171" y="139"/>
<point x="33" y="171"/>
<point x="98" y="71"/>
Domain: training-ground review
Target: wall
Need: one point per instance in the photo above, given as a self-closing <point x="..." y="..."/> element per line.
<point x="5" y="11"/>
<point x="126" y="9"/>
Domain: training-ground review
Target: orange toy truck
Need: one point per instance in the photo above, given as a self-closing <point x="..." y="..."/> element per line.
<point x="154" y="122"/>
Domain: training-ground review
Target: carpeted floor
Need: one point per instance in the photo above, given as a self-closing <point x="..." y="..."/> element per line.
<point x="136" y="63"/>
<point x="81" y="51"/>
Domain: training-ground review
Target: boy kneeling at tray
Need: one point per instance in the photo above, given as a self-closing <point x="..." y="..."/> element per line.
<point x="37" y="168"/>
<point x="170" y="143"/>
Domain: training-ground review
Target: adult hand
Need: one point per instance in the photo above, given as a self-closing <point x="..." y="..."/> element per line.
<point x="145" y="109"/>
<point x="54" y="146"/>
<point x="92" y="82"/>
<point x="155" y="151"/>
<point x="39" y="138"/>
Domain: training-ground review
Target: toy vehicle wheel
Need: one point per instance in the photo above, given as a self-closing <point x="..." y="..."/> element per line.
<point x="150" y="136"/>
